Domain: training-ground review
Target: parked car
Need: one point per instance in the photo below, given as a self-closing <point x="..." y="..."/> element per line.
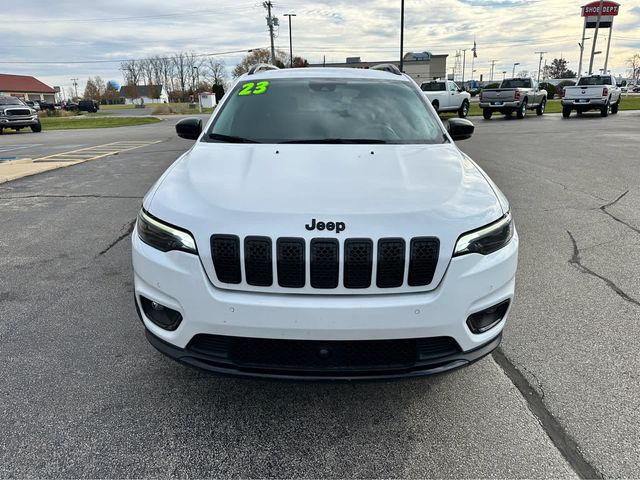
<point x="343" y="237"/>
<point x="88" y="106"/>
<point x="514" y="95"/>
<point x="446" y="96"/>
<point x="70" y="106"/>
<point x="15" y="114"/>
<point x="593" y="92"/>
<point x="34" y="105"/>
<point x="46" y="106"/>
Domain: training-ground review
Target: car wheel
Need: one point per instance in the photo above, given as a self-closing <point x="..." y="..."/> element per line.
<point x="614" y="107"/>
<point x="486" y="113"/>
<point x="566" y="112"/>
<point x="522" y="111"/>
<point x="463" y="111"/>
<point x="541" y="107"/>
<point x="36" y="128"/>
<point x="0" y="131"/>
<point x="435" y="104"/>
<point x="604" y="111"/>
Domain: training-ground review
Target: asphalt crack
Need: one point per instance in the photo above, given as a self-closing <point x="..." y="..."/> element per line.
<point x="127" y="229"/>
<point x="560" y="438"/>
<point x="576" y="261"/>
<point x="604" y="210"/>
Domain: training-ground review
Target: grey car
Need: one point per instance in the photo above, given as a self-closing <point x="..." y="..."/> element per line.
<point x="16" y="114"/>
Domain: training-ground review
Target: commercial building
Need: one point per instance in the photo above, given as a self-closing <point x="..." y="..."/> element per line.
<point x="26" y="88"/>
<point x="420" y="66"/>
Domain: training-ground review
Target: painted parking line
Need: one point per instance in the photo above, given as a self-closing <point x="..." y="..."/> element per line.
<point x="95" y="152"/>
<point x="9" y="148"/>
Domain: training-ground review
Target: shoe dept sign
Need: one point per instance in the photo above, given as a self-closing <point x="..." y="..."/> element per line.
<point x="591" y="11"/>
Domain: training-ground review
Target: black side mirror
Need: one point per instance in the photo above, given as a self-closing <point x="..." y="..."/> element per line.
<point x="189" y="128"/>
<point x="460" y="128"/>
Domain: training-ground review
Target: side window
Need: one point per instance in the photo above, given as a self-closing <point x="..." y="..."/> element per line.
<point x="453" y="87"/>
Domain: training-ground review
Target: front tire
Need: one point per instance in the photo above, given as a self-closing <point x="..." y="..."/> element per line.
<point x="541" y="107"/>
<point x="522" y="111"/>
<point x="486" y="113"/>
<point x="463" y="111"/>
<point x="566" y="112"/>
<point x="37" y="128"/>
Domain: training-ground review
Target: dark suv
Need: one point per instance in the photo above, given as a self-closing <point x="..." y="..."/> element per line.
<point x="88" y="106"/>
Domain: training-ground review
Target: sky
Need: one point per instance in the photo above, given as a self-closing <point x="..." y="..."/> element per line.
<point x="77" y="39"/>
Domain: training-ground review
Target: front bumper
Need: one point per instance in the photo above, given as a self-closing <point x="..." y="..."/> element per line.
<point x="9" y="122"/>
<point x="177" y="280"/>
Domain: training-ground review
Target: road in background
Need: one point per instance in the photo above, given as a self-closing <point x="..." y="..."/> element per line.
<point x="85" y="395"/>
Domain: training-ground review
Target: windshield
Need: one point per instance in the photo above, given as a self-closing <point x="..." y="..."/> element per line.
<point x="433" y="87"/>
<point x="516" y="83"/>
<point x="595" y="80"/>
<point x="311" y="110"/>
<point x="10" y="101"/>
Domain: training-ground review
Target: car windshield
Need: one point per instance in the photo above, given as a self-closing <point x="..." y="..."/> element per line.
<point x="595" y="80"/>
<point x="314" y="110"/>
<point x="433" y="87"/>
<point x="516" y="83"/>
<point x="10" y="101"/>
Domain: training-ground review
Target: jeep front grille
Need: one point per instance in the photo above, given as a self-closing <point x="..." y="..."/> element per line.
<point x="324" y="259"/>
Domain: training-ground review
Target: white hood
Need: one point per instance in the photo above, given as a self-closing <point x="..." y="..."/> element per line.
<point x="275" y="190"/>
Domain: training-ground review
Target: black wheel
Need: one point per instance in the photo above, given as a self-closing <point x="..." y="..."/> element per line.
<point x="541" y="107"/>
<point x="486" y="113"/>
<point x="0" y="131"/>
<point x="522" y="111"/>
<point x="604" y="111"/>
<point x="566" y="112"/>
<point x="463" y="111"/>
<point x="435" y="105"/>
<point x="614" y="107"/>
<point x="36" y="128"/>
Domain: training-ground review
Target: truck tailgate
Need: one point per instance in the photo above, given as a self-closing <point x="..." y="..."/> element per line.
<point x="586" y="92"/>
<point x="498" y="95"/>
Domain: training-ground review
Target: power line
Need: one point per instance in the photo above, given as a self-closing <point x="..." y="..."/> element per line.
<point x="63" y="62"/>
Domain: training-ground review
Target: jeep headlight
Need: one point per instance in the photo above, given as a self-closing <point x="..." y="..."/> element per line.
<point x="486" y="240"/>
<point x="163" y="236"/>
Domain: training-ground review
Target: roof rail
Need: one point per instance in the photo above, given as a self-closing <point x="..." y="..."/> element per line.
<point x="261" y="67"/>
<point x="387" y="67"/>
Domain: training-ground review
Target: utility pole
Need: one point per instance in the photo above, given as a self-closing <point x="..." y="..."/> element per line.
<point x="464" y="63"/>
<point x="540" y="64"/>
<point x="75" y="84"/>
<point x="271" y="21"/>
<point x="290" y="41"/>
<point x="595" y="37"/>
<point x="401" y="35"/>
<point x="493" y="64"/>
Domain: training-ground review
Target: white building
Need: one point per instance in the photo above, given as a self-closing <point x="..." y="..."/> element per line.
<point x="137" y="94"/>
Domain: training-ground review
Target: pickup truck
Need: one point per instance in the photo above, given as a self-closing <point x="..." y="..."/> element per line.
<point x="514" y="95"/>
<point x="593" y="92"/>
<point x="446" y="96"/>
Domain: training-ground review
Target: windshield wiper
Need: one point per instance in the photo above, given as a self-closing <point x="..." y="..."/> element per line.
<point x="338" y="140"/>
<point x="230" y="138"/>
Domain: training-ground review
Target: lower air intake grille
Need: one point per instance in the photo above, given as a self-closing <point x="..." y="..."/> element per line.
<point x="225" y="250"/>
<point x="316" y="355"/>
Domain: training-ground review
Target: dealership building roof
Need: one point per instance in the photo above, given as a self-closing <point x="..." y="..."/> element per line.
<point x="22" y="84"/>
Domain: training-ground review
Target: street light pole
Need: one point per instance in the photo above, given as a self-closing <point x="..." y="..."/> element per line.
<point x="195" y="88"/>
<point x="290" y="40"/>
<point x="513" y="74"/>
<point x="504" y="74"/>
<point x="401" y="35"/>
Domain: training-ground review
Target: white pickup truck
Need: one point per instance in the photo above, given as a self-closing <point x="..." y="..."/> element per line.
<point x="593" y="92"/>
<point x="446" y="96"/>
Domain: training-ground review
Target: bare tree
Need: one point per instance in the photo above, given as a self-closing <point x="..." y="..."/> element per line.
<point x="91" y="91"/>
<point x="260" y="55"/>
<point x="633" y="63"/>
<point x="180" y="73"/>
<point x="215" y="72"/>
<point x="100" y="85"/>
<point x="131" y="71"/>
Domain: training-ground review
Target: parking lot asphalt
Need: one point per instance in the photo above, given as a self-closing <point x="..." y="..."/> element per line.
<point x="84" y="395"/>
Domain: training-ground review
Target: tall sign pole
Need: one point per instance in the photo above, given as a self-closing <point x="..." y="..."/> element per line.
<point x="581" y="44"/>
<point x="595" y="37"/>
<point x="597" y="15"/>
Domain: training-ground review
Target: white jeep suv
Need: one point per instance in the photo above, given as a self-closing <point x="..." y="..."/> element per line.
<point x="324" y="225"/>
